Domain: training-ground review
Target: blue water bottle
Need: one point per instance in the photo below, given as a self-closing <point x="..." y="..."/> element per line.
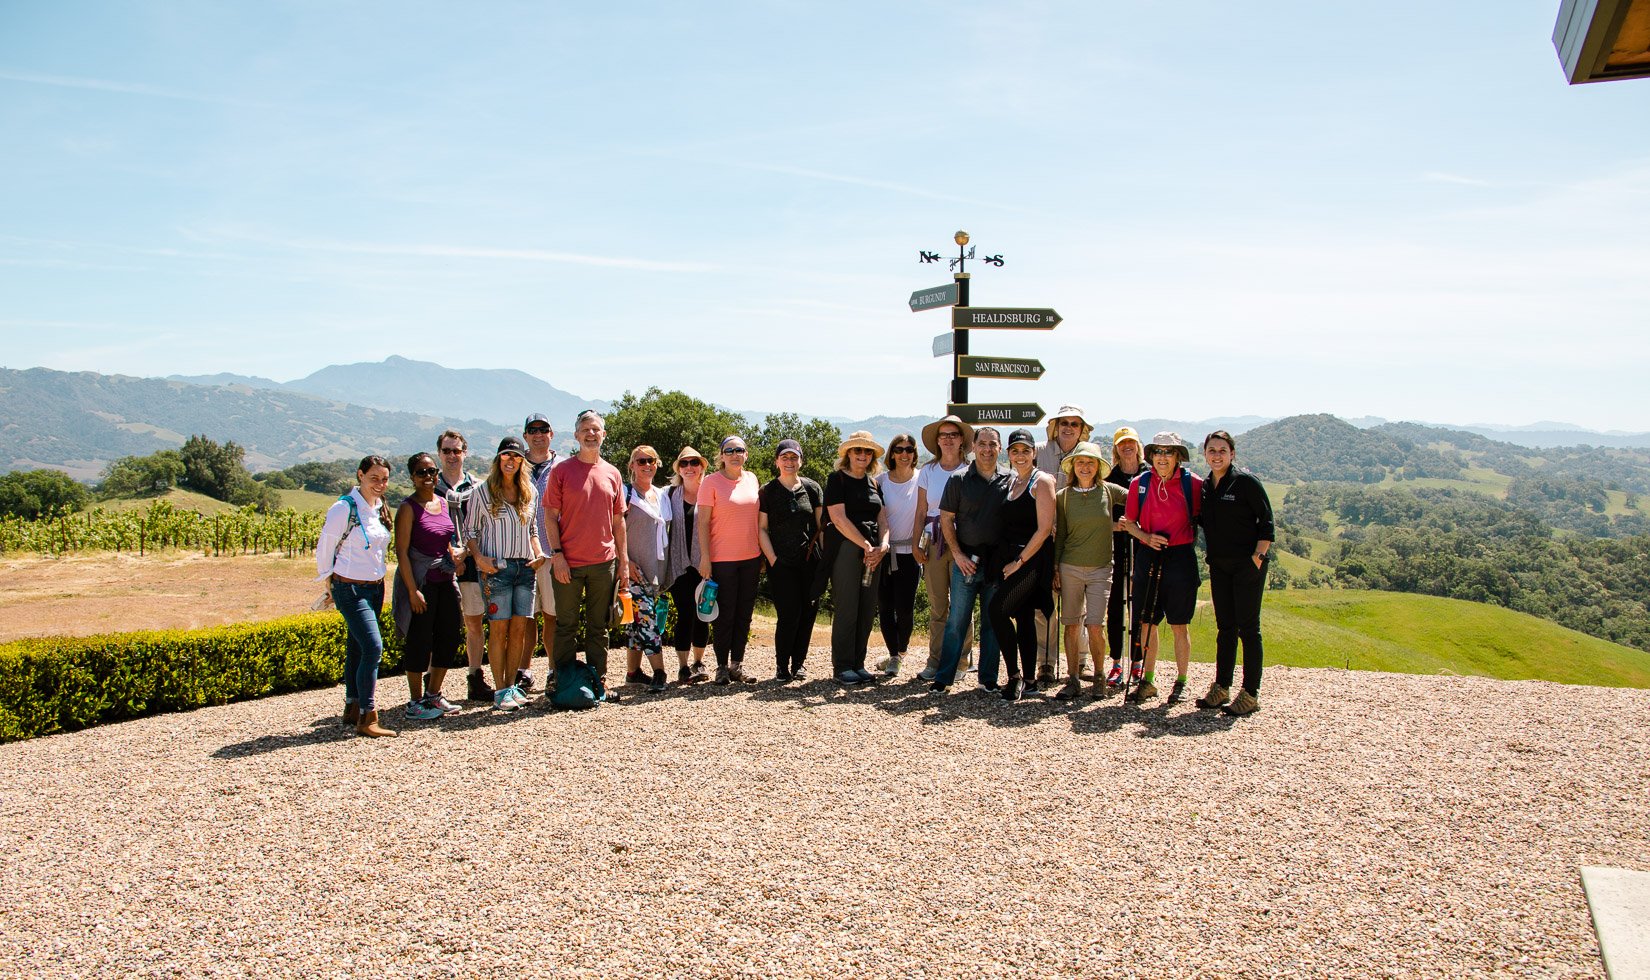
<point x="707" y="598"/>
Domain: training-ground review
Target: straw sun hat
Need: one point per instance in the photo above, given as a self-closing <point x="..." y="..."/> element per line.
<point x="859" y="440"/>
<point x="1085" y="450"/>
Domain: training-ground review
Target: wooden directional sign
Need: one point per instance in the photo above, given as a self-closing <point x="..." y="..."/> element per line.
<point x="1020" y="413"/>
<point x="1022" y="368"/>
<point x="1002" y="318"/>
<point x="931" y="299"/>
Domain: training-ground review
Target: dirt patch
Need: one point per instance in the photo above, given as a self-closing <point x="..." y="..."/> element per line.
<point x="84" y="595"/>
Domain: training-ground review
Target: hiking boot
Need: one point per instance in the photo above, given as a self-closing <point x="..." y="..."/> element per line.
<point x="1216" y="697"/>
<point x="368" y="725"/>
<point x="700" y="672"/>
<point x="723" y="676"/>
<point x="1177" y="693"/>
<point x="1069" y="690"/>
<point x="890" y="666"/>
<point x="480" y="690"/>
<point x="420" y="711"/>
<point x="684" y="675"/>
<point x="657" y="683"/>
<point x="1100" y="689"/>
<point x="1045" y="675"/>
<point x="1242" y="705"/>
<point x="737" y="672"/>
<point x="1145" y="692"/>
<point x="636" y="677"/>
<point x="1114" y="677"/>
<point x="524" y="681"/>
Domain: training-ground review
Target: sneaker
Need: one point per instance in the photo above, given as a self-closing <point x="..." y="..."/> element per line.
<point x="848" y="678"/>
<point x="657" y="683"/>
<point x="927" y="674"/>
<point x="1242" y="705"/>
<point x="1177" y="693"/>
<point x="636" y="677"/>
<point x="890" y="666"/>
<point x="441" y="704"/>
<point x="1137" y="672"/>
<point x="520" y="698"/>
<point x="1014" y="690"/>
<point x="723" y="676"/>
<point x="1145" y="692"/>
<point x="1100" y="689"/>
<point x="700" y="672"/>
<point x="939" y="688"/>
<point x="1216" y="697"/>
<point x="524" y="680"/>
<point x="1069" y="690"/>
<point x="1114" y="677"/>
<point x="782" y="675"/>
<point x="685" y="675"/>
<point x="480" y="690"/>
<point x="798" y="675"/>
<point x="991" y="688"/>
<point x="737" y="672"/>
<point x="610" y="697"/>
<point x="865" y="676"/>
<point x="502" y="701"/>
<point x="419" y="711"/>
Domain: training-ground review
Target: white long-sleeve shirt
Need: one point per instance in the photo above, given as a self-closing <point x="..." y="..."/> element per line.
<point x="362" y="553"/>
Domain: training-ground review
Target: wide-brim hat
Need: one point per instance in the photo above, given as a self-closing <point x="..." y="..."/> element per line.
<point x="699" y="594"/>
<point x="1069" y="412"/>
<point x="1126" y="434"/>
<point x="859" y="440"/>
<point x="1170" y="440"/>
<point x="1085" y="450"/>
<point x="688" y="452"/>
<point x="931" y="434"/>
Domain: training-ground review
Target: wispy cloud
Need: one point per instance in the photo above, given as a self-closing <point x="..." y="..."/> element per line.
<point x="127" y="88"/>
<point x="881" y="185"/>
<point x="436" y="251"/>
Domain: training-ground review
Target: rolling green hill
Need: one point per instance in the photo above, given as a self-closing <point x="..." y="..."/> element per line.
<point x="1418" y="634"/>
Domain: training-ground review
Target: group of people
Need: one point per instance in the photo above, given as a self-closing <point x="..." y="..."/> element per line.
<point x="1062" y="533"/>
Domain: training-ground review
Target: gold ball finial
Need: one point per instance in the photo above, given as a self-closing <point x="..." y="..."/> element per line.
<point x="961" y="238"/>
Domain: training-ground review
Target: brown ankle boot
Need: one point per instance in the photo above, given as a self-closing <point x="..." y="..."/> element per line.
<point x="368" y="726"/>
<point x="352" y="714"/>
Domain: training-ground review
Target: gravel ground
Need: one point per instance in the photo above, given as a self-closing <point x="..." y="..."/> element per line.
<point x="1361" y="824"/>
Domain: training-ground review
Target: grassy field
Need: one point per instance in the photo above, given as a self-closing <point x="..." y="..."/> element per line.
<point x="299" y="500"/>
<point x="1418" y="634"/>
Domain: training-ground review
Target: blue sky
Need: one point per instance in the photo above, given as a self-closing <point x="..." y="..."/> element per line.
<point x="1395" y="209"/>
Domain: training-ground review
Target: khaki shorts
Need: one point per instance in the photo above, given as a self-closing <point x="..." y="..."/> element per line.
<point x="1085" y="591"/>
<point x="470" y="602"/>
<point x="547" y="590"/>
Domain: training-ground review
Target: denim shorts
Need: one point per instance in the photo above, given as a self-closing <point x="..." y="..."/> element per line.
<point x="509" y="591"/>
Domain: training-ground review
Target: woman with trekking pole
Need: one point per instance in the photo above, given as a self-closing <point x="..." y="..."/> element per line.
<point x="1027" y="559"/>
<point x="1082" y="561"/>
<point x="1238" y="533"/>
<point x="1162" y="513"/>
<point x="350" y="558"/>
<point x="1127" y="459"/>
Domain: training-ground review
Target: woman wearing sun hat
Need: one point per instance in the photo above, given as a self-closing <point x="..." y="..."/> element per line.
<point x="1162" y="514"/>
<point x="1238" y="535"/>
<point x="860" y="520"/>
<point x="1025" y="553"/>
<point x="948" y="439"/>
<point x="730" y="554"/>
<point x="1127" y="460"/>
<point x="792" y="512"/>
<point x="1082" y="559"/>
<point x="679" y="509"/>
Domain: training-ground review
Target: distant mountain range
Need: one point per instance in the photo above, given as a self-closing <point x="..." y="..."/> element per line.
<point x="80" y="422"/>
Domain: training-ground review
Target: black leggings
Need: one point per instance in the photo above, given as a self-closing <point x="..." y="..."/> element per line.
<point x="897" y="601"/>
<point x="1122" y="577"/>
<point x="690" y="631"/>
<point x="735" y="601"/>
<point x="789" y="582"/>
<point x="1236" y="586"/>
<point x="1013" y="618"/>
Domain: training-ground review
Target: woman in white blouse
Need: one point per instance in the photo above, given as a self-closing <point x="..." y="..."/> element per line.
<point x="349" y="555"/>
<point x="897" y="602"/>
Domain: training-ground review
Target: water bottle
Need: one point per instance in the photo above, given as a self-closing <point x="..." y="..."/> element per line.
<point x="975" y="578"/>
<point x="865" y="580"/>
<point x="707" y="599"/>
<point x="661" y="612"/>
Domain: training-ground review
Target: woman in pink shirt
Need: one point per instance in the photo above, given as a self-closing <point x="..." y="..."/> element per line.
<point x="730" y="554"/>
<point x="1161" y="514"/>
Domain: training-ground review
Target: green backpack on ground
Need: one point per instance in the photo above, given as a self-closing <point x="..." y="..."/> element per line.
<point x="577" y="687"/>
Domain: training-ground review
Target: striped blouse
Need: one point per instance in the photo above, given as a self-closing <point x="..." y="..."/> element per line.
<point x="503" y="536"/>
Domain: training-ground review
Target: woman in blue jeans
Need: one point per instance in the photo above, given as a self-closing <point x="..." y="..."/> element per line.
<point x="349" y="555"/>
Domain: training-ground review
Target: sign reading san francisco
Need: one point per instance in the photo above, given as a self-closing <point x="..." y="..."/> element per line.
<point x="1023" y="368"/>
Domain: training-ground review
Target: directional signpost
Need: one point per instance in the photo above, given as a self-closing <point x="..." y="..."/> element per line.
<point x="930" y="299"/>
<point x="1019" y="368"/>
<point x="1003" y="413"/>
<point x="1002" y="318"/>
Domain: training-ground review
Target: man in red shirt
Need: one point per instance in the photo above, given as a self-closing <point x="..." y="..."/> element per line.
<point x="584" y="520"/>
<point x="1161" y="514"/>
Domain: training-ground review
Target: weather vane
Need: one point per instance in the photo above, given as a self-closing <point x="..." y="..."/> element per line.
<point x="964" y="253"/>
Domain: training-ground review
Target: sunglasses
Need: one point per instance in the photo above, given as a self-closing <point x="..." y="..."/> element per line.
<point x="685" y="463"/>
<point x="644" y="461"/>
<point x="452" y="452"/>
<point x="1164" y="452"/>
<point x="426" y="471"/>
<point x="734" y="452"/>
<point x="904" y="449"/>
<point x="538" y="430"/>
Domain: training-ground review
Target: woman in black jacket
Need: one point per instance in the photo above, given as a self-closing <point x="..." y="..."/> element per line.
<point x="1237" y="534"/>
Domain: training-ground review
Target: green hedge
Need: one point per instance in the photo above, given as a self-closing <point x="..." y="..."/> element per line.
<point x="63" y="684"/>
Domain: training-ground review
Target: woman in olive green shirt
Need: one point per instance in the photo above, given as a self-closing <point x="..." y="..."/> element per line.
<point x="1082" y="560"/>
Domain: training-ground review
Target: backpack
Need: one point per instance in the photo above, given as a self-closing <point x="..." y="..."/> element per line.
<point x="577" y="687"/>
<point x="1185" y="491"/>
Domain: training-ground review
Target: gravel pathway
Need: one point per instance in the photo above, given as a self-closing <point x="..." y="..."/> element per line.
<point x="1360" y="825"/>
